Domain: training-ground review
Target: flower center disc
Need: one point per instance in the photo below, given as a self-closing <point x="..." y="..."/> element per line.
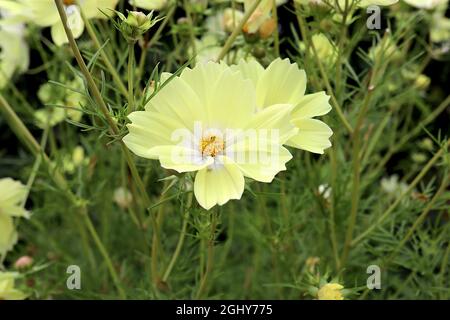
<point x="211" y="145"/>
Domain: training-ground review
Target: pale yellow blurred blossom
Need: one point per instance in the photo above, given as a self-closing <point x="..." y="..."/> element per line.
<point x="7" y="287"/>
<point x="341" y="3"/>
<point x="311" y="263"/>
<point x="14" y="52"/>
<point x="149" y="4"/>
<point x="440" y="25"/>
<point x="45" y="14"/>
<point x="385" y="49"/>
<point x="12" y="197"/>
<point x="78" y="156"/>
<point x="325" y="191"/>
<point x="391" y="185"/>
<point x="223" y="21"/>
<point x="330" y="291"/>
<point x="123" y="197"/>
<point x="262" y="16"/>
<point x="425" y="4"/>
<point x="207" y="48"/>
<point x="422" y="82"/>
<point x="325" y="49"/>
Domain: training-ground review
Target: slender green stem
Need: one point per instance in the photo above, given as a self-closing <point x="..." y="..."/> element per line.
<point x="152" y="41"/>
<point x="332" y="218"/>
<point x="210" y="260"/>
<point x="305" y="31"/>
<point x="413" y="184"/>
<point x="104" y="109"/>
<point x="416" y="130"/>
<point x="276" y="34"/>
<point x="444" y="266"/>
<point x="356" y="178"/>
<point x="419" y="220"/>
<point x="237" y="31"/>
<point x="28" y="140"/>
<point x="181" y="238"/>
<point x="105" y="254"/>
<point x="115" y="76"/>
<point x="187" y="8"/>
<point x="131" y="77"/>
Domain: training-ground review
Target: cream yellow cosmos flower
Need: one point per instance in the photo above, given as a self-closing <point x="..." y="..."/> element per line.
<point x="45" y="14"/>
<point x="14" y="54"/>
<point x="207" y="121"/>
<point x="330" y="291"/>
<point x="149" y="4"/>
<point x="7" y="287"/>
<point x="12" y="195"/>
<point x="362" y="3"/>
<point x="284" y="83"/>
<point x="425" y="4"/>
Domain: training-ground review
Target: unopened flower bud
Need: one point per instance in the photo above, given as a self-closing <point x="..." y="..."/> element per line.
<point x="135" y="24"/>
<point x="23" y="262"/>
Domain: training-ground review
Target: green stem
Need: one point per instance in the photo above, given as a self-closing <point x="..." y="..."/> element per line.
<point x="152" y="41"/>
<point x="419" y="220"/>
<point x="210" y="260"/>
<point x="191" y="30"/>
<point x="105" y="254"/>
<point x="180" y="239"/>
<point x="130" y="77"/>
<point x="413" y="184"/>
<point x="276" y="35"/>
<point x="28" y="140"/>
<point x="115" y="76"/>
<point x="305" y="31"/>
<point x="104" y="109"/>
<point x="237" y="31"/>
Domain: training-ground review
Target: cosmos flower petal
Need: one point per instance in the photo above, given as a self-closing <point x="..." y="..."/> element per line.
<point x="313" y="135"/>
<point x="75" y="23"/>
<point x="219" y="185"/>
<point x="275" y="117"/>
<point x="184" y="106"/>
<point x="250" y="70"/>
<point x="8" y="234"/>
<point x="226" y="97"/>
<point x="181" y="159"/>
<point x="232" y="102"/>
<point x="12" y="195"/>
<point x="281" y="82"/>
<point x="269" y="162"/>
<point x="312" y="105"/>
<point x="148" y="130"/>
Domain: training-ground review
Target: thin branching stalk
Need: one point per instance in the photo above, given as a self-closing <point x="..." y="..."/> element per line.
<point x="276" y="34"/>
<point x="114" y="74"/>
<point x="181" y="238"/>
<point x="152" y="41"/>
<point x="305" y="32"/>
<point x="237" y="30"/>
<point x="419" y="220"/>
<point x="25" y="136"/>
<point x="210" y="258"/>
<point x="130" y="73"/>
<point x="104" y="109"/>
<point x="413" y="184"/>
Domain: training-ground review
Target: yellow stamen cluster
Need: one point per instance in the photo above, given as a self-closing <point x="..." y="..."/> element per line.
<point x="211" y="145"/>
